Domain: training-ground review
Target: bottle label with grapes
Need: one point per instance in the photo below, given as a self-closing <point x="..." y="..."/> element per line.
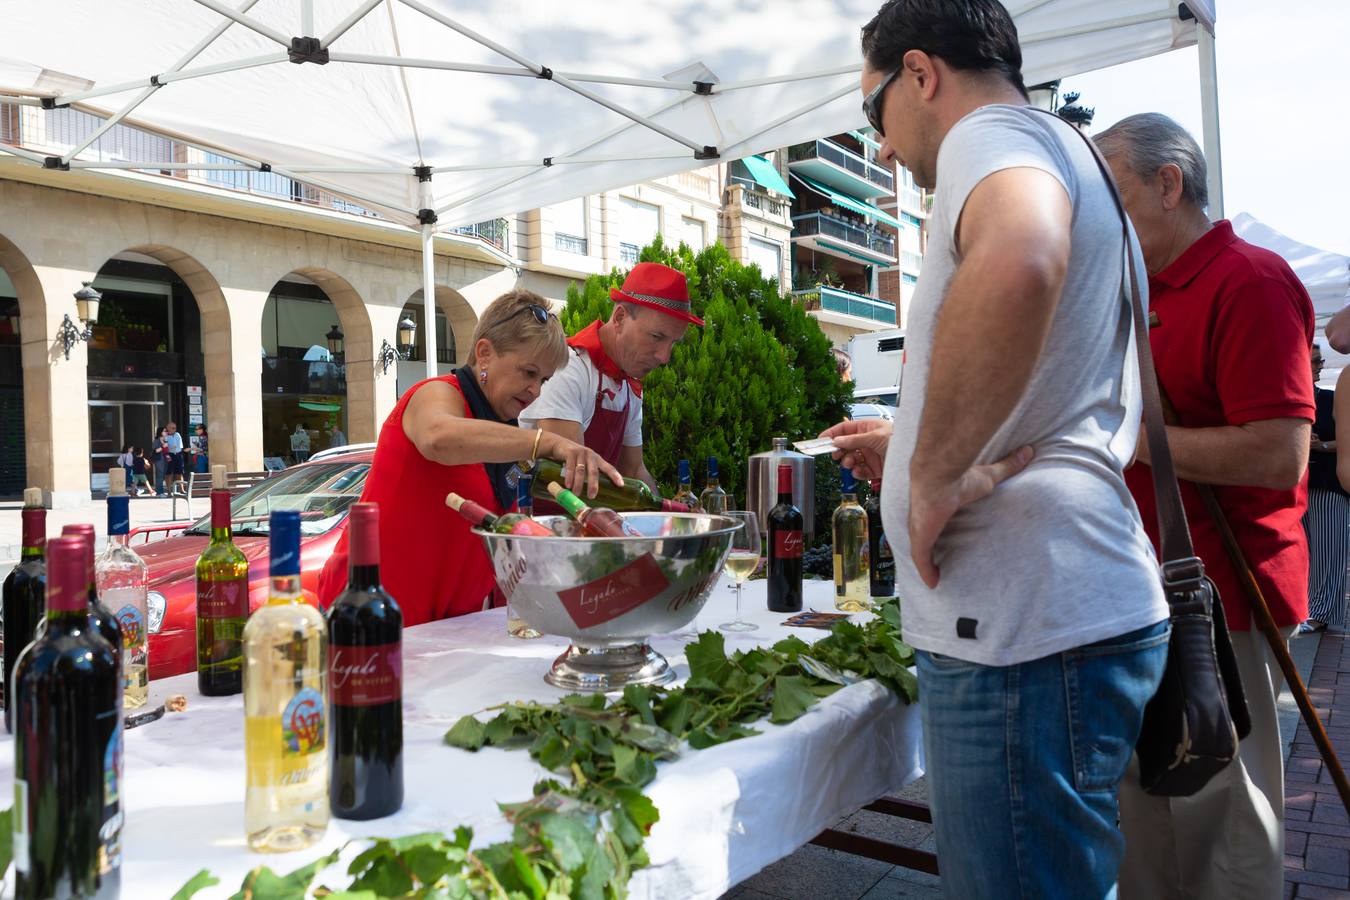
<point x="302" y="725"/>
<point x="602" y="599"/>
<point x="133" y="626"/>
<point x="223" y="599"/>
<point x="787" y="544"/>
<point x="366" y="676"/>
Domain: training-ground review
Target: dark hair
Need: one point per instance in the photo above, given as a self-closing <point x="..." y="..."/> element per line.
<point x="968" y="35"/>
<point x="140" y="451"/>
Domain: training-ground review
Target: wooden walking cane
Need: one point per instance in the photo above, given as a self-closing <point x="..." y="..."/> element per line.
<point x="1264" y="620"/>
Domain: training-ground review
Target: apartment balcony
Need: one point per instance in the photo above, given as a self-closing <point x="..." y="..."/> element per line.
<point x="752" y="201"/>
<point x="496" y="232"/>
<point x="842" y="307"/>
<point x="828" y="234"/>
<point x="842" y="169"/>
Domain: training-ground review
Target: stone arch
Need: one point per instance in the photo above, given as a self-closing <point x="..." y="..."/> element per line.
<point x="460" y="320"/>
<point x="217" y="348"/>
<point x="35" y="365"/>
<point x="358" y="348"/>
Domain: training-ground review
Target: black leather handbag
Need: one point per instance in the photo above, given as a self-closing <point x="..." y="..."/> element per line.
<point x="1193" y="723"/>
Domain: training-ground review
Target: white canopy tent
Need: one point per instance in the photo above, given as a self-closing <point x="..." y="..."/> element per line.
<point x="440" y="113"/>
<point x="1326" y="275"/>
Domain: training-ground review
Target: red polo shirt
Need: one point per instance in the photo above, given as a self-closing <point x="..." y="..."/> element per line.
<point x="1231" y="347"/>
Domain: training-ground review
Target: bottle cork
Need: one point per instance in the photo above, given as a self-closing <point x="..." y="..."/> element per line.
<point x="454" y="501"/>
<point x="218" y="478"/>
<point x="117" y="482"/>
<point x="32" y="498"/>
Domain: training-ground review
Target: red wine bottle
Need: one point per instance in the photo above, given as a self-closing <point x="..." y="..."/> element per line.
<point x="882" y="573"/>
<point x="785" y="549"/>
<point x="595" y="521"/>
<point x="67" y="746"/>
<point x="104" y="621"/>
<point x="365" y="683"/>
<point x="24" y="592"/>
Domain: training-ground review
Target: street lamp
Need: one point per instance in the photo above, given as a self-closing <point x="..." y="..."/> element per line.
<point x="86" y="307"/>
<point x="334" y="338"/>
<point x="407" y="336"/>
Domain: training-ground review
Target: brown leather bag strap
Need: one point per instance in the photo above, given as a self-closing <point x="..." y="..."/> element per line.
<point x="1180" y="565"/>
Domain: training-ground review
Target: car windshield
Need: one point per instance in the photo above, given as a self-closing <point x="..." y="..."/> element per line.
<point x="321" y="493"/>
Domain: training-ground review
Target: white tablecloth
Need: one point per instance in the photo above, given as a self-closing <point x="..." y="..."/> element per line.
<point x="726" y="812"/>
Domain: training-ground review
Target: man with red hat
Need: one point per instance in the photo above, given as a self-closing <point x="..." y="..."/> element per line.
<point x="596" y="399"/>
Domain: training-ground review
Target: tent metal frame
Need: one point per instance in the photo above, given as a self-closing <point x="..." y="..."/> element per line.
<point x="309" y="48"/>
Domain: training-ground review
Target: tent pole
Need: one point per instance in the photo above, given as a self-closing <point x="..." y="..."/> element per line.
<point x="342" y="27"/>
<point x="1209" y="111"/>
<point x="307" y="18"/>
<point x="265" y="30"/>
<point x="429" y="298"/>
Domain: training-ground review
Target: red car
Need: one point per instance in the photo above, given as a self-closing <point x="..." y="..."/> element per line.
<point x="321" y="489"/>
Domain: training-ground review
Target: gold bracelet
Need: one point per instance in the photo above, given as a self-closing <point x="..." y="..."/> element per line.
<point x="534" y="451"/>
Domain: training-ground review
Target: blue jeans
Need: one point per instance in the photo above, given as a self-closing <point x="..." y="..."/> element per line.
<point x="1024" y="762"/>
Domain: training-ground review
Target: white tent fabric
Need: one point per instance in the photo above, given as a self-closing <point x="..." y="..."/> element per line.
<point x="1326" y="275"/>
<point x="452" y="85"/>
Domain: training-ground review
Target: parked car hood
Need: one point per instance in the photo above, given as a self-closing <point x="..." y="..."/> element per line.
<point x="175" y="559"/>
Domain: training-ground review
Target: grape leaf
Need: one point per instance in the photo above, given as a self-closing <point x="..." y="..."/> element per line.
<point x="466" y="734"/>
<point x="199" y="882"/>
<point x="264" y="884"/>
<point x="791" y="697"/>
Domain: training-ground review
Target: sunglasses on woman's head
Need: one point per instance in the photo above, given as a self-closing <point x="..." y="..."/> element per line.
<point x="541" y="315"/>
<point x="875" y="101"/>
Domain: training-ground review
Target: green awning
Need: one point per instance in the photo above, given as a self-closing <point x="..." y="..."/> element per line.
<point x="865" y="139"/>
<point x="848" y="202"/>
<point x="766" y="175"/>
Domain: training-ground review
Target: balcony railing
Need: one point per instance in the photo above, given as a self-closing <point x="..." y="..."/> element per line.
<point x="910" y="262"/>
<point x="570" y="243"/>
<point x="870" y="238"/>
<point x="768" y="204"/>
<point x="832" y="152"/>
<point x="444" y="355"/>
<point x="495" y="231"/>
<point x="628" y="254"/>
<point x="841" y="301"/>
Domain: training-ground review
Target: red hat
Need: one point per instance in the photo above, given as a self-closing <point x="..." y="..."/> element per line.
<point x="660" y="287"/>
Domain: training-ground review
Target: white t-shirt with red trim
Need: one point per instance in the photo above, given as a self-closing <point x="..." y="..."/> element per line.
<point x="570" y="395"/>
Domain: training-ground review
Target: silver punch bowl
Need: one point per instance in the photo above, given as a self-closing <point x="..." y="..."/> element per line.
<point x="610" y="595"/>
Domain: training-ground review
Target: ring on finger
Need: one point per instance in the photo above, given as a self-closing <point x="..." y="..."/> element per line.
<point x="581" y="465"/>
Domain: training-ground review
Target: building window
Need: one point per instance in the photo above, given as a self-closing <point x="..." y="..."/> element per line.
<point x="695" y="233"/>
<point x="628" y="254"/>
<point x="768" y="255"/>
<point x="908" y="278"/>
<point x="640" y="222"/>
<point x="570" y="226"/>
<point x="912" y="219"/>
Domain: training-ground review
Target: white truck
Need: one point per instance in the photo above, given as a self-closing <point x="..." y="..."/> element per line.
<point x="876" y="358"/>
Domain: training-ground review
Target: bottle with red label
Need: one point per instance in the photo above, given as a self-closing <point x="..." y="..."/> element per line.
<point x="365" y="683"/>
<point x="784" y="571"/>
<point x="222" y="601"/>
<point x="595" y="521"/>
<point x="24" y="591"/>
<point x="104" y="622"/>
<point x="509" y="523"/>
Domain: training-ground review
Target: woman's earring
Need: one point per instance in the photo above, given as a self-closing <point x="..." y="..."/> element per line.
<point x="482" y="377"/>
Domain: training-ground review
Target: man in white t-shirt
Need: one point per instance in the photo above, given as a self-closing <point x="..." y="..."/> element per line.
<point x="1028" y="585"/>
<point x="596" y="399"/>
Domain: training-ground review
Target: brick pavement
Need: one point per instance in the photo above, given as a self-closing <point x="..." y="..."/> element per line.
<point x="1317" y="829"/>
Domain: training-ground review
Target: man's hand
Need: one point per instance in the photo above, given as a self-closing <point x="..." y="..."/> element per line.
<point x="932" y="505"/>
<point x="862" y="444"/>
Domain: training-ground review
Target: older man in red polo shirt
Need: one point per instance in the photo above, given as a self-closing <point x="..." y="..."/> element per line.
<point x="1232" y="351"/>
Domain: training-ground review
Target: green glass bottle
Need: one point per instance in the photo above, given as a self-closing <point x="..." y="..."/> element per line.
<point x="222" y="603"/>
<point x="634" y="496"/>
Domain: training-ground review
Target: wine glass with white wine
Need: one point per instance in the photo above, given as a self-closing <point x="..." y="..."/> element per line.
<point x="742" y="562"/>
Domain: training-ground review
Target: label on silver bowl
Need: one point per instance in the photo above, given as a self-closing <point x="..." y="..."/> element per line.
<point x="619" y="592"/>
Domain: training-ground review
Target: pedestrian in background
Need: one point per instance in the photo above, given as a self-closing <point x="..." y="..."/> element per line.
<point x="124" y="460"/>
<point x="174" y="470"/>
<point x="1231" y="349"/>
<point x="160" y="451"/>
<point x="139" y="479"/>
<point x="1327" y="521"/>
<point x="201" y="462"/>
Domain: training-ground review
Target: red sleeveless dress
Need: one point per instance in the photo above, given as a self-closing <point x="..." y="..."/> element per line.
<point x="429" y="562"/>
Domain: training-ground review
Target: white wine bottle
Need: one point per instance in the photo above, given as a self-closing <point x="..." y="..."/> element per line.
<point x="285" y="706"/>
<point x="123" y="579"/>
<point x="852" y="587"/>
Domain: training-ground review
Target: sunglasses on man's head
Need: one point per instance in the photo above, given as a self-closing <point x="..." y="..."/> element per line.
<point x="875" y="101"/>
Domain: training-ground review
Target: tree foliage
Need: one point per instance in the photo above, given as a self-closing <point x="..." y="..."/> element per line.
<point x="759" y="368"/>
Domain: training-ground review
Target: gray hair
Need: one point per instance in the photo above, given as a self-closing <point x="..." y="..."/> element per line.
<point x="1149" y="141"/>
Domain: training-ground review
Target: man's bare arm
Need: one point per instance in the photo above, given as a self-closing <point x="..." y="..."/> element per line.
<point x="1269" y="453"/>
<point x="632" y="465"/>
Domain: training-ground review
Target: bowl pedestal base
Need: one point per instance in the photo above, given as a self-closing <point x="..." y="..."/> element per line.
<point x="609" y="668"/>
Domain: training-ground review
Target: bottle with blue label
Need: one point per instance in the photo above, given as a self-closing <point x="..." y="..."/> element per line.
<point x="686" y="494"/>
<point x="285" y="706"/>
<point x="122" y="578"/>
